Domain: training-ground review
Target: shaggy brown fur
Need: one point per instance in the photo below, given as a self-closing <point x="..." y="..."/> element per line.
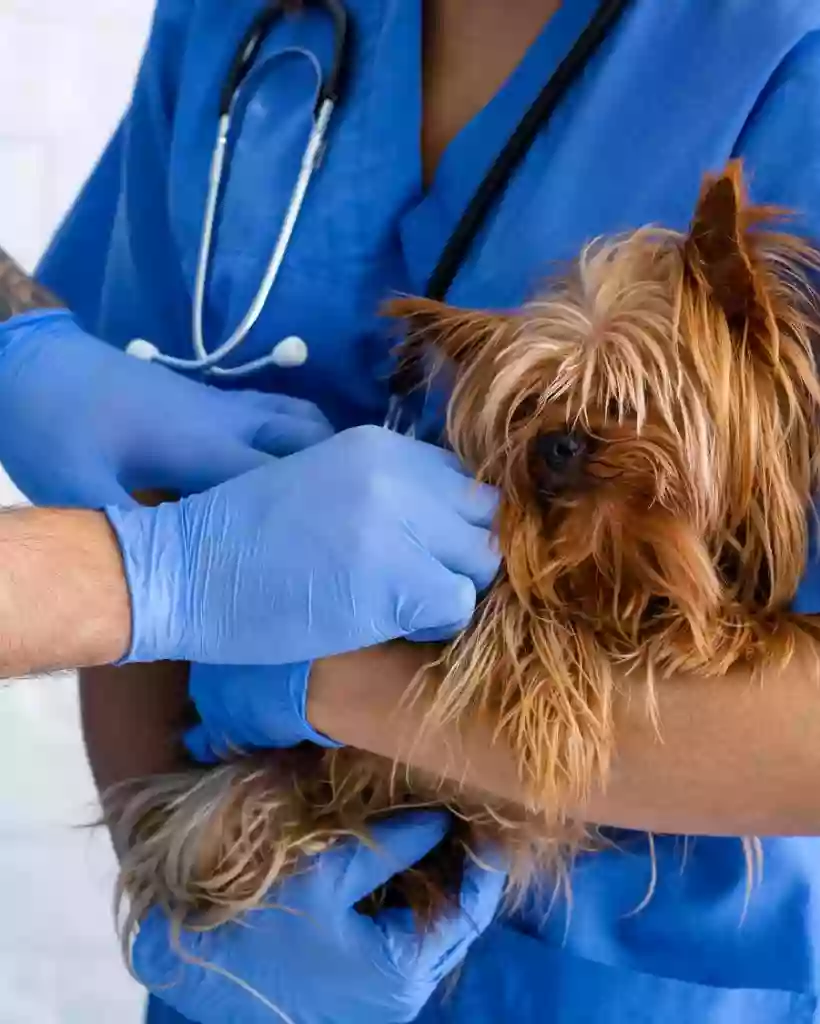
<point x="652" y="424"/>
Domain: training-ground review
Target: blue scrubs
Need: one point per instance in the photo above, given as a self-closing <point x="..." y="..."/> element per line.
<point x="681" y="86"/>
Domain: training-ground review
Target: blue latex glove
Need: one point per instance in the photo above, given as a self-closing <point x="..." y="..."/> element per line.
<point x="364" y="538"/>
<point x="324" y="963"/>
<point x="86" y="425"/>
<point x="249" y="707"/>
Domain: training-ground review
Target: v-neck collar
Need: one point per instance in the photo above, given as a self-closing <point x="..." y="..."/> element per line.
<point x="427" y="225"/>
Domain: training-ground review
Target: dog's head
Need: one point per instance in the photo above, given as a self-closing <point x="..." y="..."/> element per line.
<point x="652" y="423"/>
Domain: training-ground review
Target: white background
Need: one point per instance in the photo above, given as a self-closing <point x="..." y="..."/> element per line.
<point x="66" y="68"/>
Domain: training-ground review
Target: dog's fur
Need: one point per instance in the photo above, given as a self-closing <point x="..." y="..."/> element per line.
<point x="652" y="424"/>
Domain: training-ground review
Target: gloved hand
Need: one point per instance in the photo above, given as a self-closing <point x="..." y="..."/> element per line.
<point x="86" y="425"/>
<point x="323" y="963"/>
<point x="249" y="707"/>
<point x="364" y="538"/>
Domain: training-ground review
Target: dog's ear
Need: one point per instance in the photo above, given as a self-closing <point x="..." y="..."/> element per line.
<point x="455" y="335"/>
<point x="720" y="249"/>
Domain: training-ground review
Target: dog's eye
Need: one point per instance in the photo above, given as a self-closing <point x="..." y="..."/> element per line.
<point x="561" y="449"/>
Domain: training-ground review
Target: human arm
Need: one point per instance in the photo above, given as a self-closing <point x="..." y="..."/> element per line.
<point x="20" y="293"/>
<point x="64" y="603"/>
<point x="738" y="755"/>
<point x="63" y="595"/>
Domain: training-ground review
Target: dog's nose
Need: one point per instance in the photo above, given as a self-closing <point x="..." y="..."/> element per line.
<point x="561" y="449"/>
<point x="559" y="462"/>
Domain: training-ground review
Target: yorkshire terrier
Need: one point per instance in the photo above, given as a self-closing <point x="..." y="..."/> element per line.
<point x="652" y="422"/>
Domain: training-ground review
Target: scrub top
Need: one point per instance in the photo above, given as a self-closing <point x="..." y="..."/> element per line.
<point x="679" y="88"/>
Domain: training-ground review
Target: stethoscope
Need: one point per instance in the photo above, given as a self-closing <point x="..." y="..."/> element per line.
<point x="292" y="351"/>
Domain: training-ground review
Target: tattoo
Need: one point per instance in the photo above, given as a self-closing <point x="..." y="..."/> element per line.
<point x="20" y="293"/>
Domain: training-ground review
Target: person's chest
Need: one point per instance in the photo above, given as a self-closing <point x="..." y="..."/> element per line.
<point x="654" y="110"/>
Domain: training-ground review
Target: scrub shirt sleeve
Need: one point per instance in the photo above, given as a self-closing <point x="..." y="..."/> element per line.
<point x="781" y="151"/>
<point x="113" y="260"/>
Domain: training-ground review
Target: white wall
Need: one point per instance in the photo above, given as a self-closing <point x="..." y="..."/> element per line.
<point x="66" y="68"/>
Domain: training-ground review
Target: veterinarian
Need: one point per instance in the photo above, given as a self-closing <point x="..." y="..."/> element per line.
<point x="433" y="94"/>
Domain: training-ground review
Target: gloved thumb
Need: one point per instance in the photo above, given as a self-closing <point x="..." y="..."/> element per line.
<point x="198" y="743"/>
<point x="357" y="869"/>
<point x="482" y="888"/>
<point x="443" y="616"/>
<point x="102" y="494"/>
<point x="437" y="634"/>
<point x="214" y="467"/>
<point x="446" y="943"/>
<point x="283" y="435"/>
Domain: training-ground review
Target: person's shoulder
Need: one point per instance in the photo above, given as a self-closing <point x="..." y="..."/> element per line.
<point x="736" y="33"/>
<point x="792" y="93"/>
<point x="750" y="17"/>
<point x="780" y="143"/>
<point x="170" y="24"/>
<point x="174" y="10"/>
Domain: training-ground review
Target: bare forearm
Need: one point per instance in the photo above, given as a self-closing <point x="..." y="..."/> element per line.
<point x="63" y="597"/>
<point x="133" y="718"/>
<point x="134" y="715"/>
<point x="19" y="293"/>
<point x="735" y="757"/>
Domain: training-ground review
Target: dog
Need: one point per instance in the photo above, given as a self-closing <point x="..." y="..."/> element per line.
<point x="652" y="422"/>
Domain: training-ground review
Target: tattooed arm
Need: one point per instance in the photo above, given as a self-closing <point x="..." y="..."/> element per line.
<point x="20" y="293"/>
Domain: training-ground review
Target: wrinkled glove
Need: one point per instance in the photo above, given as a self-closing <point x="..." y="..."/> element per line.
<point x="249" y="707"/>
<point x="86" y="425"/>
<point x="312" y="958"/>
<point x="365" y="538"/>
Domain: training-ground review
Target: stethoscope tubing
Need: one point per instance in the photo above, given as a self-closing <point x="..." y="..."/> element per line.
<point x="408" y="376"/>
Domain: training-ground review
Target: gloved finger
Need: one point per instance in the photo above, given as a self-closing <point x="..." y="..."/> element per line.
<point x="280" y="405"/>
<point x="450" y="939"/>
<point x="99" y="493"/>
<point x="477" y="503"/>
<point x="198" y="743"/>
<point x="437" y="634"/>
<point x="283" y="434"/>
<point x="155" y="960"/>
<point x="450" y="605"/>
<point x="443" y="946"/>
<point x="210" y="467"/>
<point x="463" y="549"/>
<point x="482" y="888"/>
<point x="474" y="502"/>
<point x="356" y="869"/>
